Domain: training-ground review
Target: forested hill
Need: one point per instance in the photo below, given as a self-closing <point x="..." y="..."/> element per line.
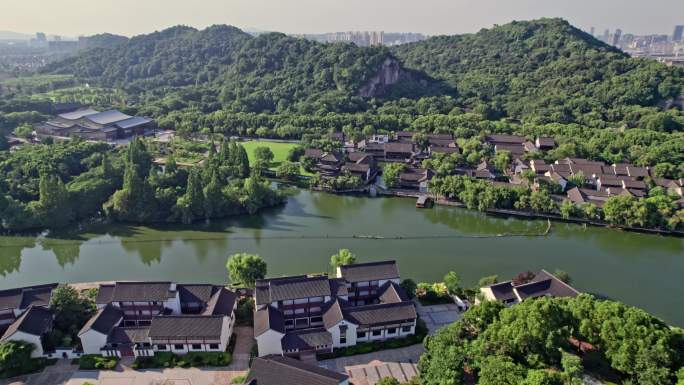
<point x="543" y="70"/>
<point x="540" y="71"/>
<point x="265" y="72"/>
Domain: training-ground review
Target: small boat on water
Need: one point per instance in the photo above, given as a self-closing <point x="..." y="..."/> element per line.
<point x="423" y="202"/>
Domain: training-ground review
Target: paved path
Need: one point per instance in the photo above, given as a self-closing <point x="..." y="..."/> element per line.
<point x="438" y="316"/>
<point x="368" y="369"/>
<point x="243" y="347"/>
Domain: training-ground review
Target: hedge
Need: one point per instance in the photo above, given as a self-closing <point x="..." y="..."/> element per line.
<point x="192" y="359"/>
<point x="97" y="362"/>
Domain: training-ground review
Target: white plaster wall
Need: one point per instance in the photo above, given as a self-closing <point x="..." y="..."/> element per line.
<point x="93" y="341"/>
<point x="35" y="340"/>
<point x="270" y="343"/>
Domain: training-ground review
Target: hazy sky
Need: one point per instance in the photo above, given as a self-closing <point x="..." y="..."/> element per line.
<point x="131" y="17"/>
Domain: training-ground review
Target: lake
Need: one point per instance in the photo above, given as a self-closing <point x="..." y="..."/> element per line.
<point x="642" y="270"/>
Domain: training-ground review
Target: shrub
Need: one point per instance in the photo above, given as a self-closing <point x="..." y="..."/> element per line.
<point x="192" y="359"/>
<point x="95" y="362"/>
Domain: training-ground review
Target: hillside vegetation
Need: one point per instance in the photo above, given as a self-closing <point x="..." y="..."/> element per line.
<point x="543" y="71"/>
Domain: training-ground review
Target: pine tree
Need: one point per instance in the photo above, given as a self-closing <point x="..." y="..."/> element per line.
<point x="243" y="162"/>
<point x="194" y="194"/>
<point x="213" y="198"/>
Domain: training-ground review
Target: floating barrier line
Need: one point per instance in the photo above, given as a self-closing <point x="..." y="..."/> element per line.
<point x="56" y="242"/>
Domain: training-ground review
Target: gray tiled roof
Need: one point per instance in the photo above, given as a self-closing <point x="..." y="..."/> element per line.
<point x="390" y="292"/>
<point x="371" y="271"/>
<point x="196" y="292"/>
<point x="129" y="335"/>
<point x="221" y="303"/>
<point x="268" y="318"/>
<point x="35" y="321"/>
<point x="381" y="314"/>
<point x="307" y="339"/>
<point x="277" y="370"/>
<point x="333" y="314"/>
<point x="104" y="320"/>
<point x="287" y="288"/>
<point x="169" y="327"/>
<point x="24" y="297"/>
<point x="494" y="138"/>
<point x="108" y="117"/>
<point x="545" y="284"/>
<point x="138" y="291"/>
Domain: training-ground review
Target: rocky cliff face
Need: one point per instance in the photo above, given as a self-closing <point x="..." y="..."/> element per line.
<point x="390" y="73"/>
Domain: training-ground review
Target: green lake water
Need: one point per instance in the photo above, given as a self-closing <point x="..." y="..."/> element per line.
<point x="641" y="270"/>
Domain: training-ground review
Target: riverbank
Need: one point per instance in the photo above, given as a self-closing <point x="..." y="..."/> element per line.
<point x="531" y="215"/>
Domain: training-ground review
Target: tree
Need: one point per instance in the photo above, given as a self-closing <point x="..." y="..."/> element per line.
<point x="577" y="179"/>
<point x="421" y="140"/>
<point x="4" y="144"/>
<point x="487" y="281"/>
<point x="288" y="170"/>
<point x="263" y="154"/>
<point x="295" y="153"/>
<point x="15" y="358"/>
<point x="213" y="198"/>
<point x="453" y="283"/>
<point x="245" y="269"/>
<point x="563" y="276"/>
<point x="409" y="287"/>
<point x="388" y="381"/>
<point x="502" y="160"/>
<point x="71" y="311"/>
<point x="500" y="370"/>
<point x="391" y="173"/>
<point x="24" y="131"/>
<point x="342" y="258"/>
<point x="543" y="377"/>
<point x="572" y="368"/>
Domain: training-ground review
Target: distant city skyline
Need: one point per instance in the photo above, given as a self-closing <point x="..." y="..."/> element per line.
<point x="431" y="17"/>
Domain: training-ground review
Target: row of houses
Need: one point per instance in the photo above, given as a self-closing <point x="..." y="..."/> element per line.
<point x="90" y="124"/>
<point x="295" y="317"/>
<point x="132" y="319"/>
<point x="306" y="315"/>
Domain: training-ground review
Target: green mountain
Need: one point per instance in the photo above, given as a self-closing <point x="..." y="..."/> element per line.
<point x="540" y="71"/>
<point x="268" y="72"/>
<point x="543" y="69"/>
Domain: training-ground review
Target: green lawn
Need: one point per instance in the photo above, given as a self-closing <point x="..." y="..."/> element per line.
<point x="280" y="151"/>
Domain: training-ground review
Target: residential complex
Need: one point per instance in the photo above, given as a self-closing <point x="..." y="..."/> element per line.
<point x="305" y="315"/>
<point x="600" y="180"/>
<point x="141" y="318"/>
<point x="132" y="319"/>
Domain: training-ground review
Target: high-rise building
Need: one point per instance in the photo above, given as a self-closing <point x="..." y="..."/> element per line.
<point x="592" y="31"/>
<point x="606" y="36"/>
<point x="616" y="37"/>
<point x="377" y="38"/>
<point x="678" y="34"/>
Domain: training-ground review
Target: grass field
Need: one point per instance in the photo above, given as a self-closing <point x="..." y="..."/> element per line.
<point x="280" y="151"/>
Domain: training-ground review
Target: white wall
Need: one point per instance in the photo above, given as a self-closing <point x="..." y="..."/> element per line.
<point x="174" y="304"/>
<point x="270" y="343"/>
<point x="351" y="334"/>
<point x="35" y="340"/>
<point x="93" y="341"/>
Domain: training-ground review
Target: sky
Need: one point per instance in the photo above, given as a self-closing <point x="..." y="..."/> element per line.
<point x="133" y="17"/>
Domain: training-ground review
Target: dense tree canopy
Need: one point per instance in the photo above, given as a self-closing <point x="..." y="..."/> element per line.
<point x="525" y="343"/>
